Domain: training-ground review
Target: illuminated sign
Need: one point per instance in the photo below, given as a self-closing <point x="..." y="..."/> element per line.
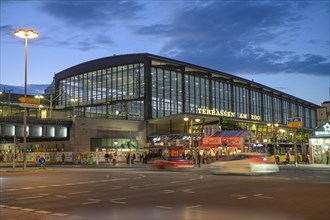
<point x="230" y="114"/>
<point x="29" y="100"/>
<point x="294" y="123"/>
<point x="326" y="130"/>
<point x="223" y="141"/>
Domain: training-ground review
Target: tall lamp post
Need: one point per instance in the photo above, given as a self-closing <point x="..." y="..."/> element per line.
<point x="74" y="100"/>
<point x="274" y="131"/>
<point x="39" y="97"/>
<point x="190" y="131"/>
<point x="25" y="34"/>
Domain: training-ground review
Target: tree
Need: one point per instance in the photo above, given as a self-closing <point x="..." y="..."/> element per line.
<point x="302" y="135"/>
<point x="229" y="124"/>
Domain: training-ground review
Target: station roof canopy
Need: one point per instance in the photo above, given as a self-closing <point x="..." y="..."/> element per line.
<point x="234" y="133"/>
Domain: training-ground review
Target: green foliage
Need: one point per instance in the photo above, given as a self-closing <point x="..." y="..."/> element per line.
<point x="302" y="135"/>
<point x="229" y="124"/>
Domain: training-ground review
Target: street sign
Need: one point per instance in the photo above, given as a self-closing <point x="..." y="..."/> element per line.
<point x="30" y="100"/>
<point x="294" y="123"/>
<point x="28" y="105"/>
<point x="42" y="160"/>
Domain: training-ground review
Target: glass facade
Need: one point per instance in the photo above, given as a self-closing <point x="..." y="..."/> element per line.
<point x="166" y="92"/>
<point x="115" y="92"/>
<point x="121" y="91"/>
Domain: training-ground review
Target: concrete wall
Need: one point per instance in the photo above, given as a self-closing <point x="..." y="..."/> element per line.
<point x="84" y="129"/>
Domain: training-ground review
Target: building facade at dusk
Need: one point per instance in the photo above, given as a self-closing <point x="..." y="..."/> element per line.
<point x="137" y="97"/>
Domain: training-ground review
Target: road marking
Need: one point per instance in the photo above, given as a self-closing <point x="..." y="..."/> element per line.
<point x="42" y="186"/>
<point x="14" y="207"/>
<point x="177" y="181"/>
<point x="188" y="191"/>
<point x="10" y="190"/>
<point x="92" y="201"/>
<point x="134" y="187"/>
<point x="28" y="188"/>
<point x="31" y="197"/>
<point x="28" y="210"/>
<point x="43" y="194"/>
<point x="168" y="191"/>
<point x="59" y="214"/>
<point x="55" y="185"/>
<point x="240" y="196"/>
<point x="34" y="210"/>
<point x="60" y="196"/>
<point x="68" y="184"/>
<point x="164" y="207"/>
<point x="262" y="197"/>
<point x="43" y="212"/>
<point x="192" y="207"/>
<point x="120" y="202"/>
<point x="81" y="183"/>
<point x="258" y="194"/>
<point x="236" y="195"/>
<point x="80" y="192"/>
<point x="201" y="177"/>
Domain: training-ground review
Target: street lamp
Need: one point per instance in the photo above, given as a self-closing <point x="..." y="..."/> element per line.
<point x="25" y="34"/>
<point x="39" y="106"/>
<point x="190" y="131"/>
<point x="74" y="100"/>
<point x="274" y="131"/>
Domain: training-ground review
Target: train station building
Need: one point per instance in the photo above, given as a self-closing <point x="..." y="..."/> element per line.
<point x="153" y="102"/>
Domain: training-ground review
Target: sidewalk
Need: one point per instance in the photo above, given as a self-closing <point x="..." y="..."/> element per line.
<point x="8" y="167"/>
<point x="306" y="166"/>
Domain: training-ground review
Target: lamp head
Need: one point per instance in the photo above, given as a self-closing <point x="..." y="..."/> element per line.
<point x="21" y="33"/>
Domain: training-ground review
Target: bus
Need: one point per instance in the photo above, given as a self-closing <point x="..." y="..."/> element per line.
<point x="282" y="148"/>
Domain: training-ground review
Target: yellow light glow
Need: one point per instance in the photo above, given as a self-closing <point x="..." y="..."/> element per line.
<point x="21" y="33"/>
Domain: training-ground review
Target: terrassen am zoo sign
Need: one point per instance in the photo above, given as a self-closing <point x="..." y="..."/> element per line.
<point x="230" y="114"/>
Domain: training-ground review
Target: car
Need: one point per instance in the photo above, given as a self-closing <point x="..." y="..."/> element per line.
<point x="244" y="163"/>
<point x="171" y="163"/>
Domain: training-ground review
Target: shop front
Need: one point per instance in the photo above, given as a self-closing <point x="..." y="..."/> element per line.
<point x="319" y="143"/>
<point x="171" y="146"/>
<point x="228" y="143"/>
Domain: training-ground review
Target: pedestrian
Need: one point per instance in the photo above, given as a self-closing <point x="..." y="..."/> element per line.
<point x="128" y="157"/>
<point x="133" y="158"/>
<point x="308" y="156"/>
<point x="63" y="158"/>
<point x="287" y="157"/>
<point x="327" y="154"/>
<point x="199" y="158"/>
<point x="114" y="160"/>
<point x="1" y="157"/>
<point x="106" y="157"/>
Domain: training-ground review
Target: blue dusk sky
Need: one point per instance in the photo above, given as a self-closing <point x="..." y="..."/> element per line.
<point x="281" y="44"/>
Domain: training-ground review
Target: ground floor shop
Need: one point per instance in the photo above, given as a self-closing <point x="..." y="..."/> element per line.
<point x="319" y="143"/>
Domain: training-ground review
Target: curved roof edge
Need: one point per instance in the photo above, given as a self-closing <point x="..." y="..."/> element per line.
<point x="123" y="59"/>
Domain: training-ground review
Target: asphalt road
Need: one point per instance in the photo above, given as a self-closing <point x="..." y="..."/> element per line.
<point x="138" y="193"/>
